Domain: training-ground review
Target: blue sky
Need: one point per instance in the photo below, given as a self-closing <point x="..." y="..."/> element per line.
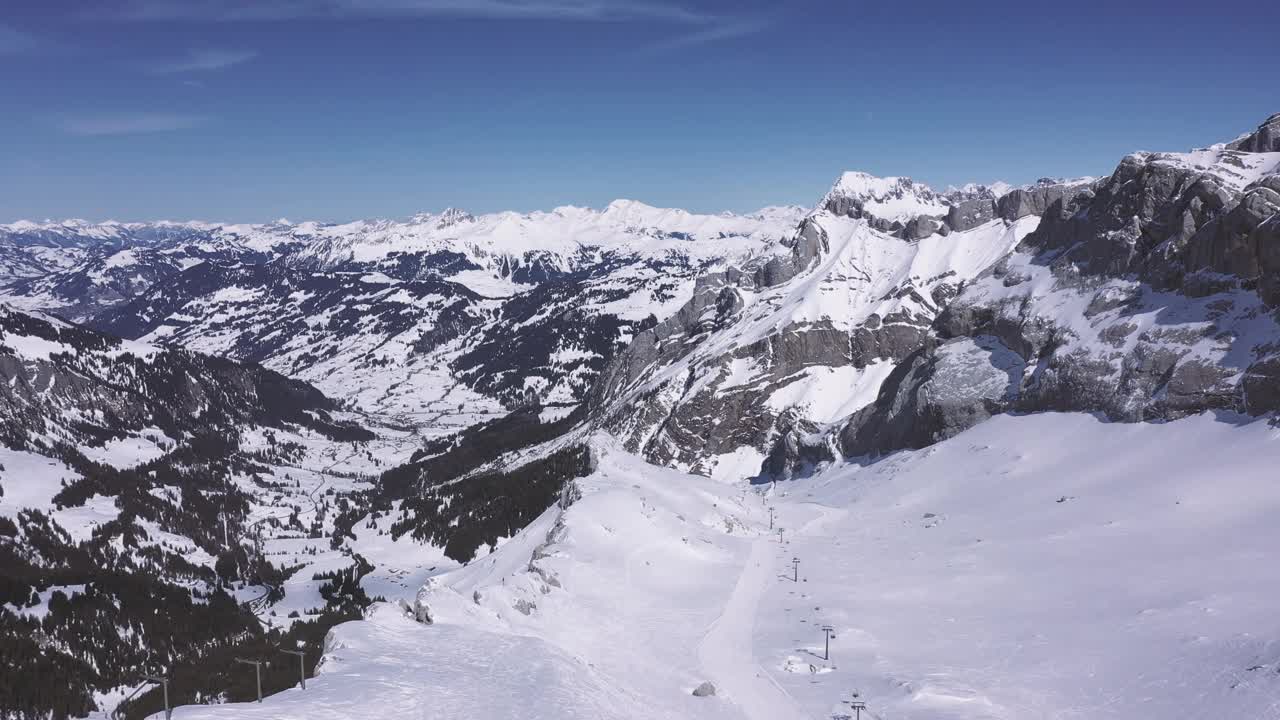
<point x="336" y="109"/>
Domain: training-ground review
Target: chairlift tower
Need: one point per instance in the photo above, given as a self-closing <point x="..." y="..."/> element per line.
<point x="828" y="632"/>
<point x="257" y="666"/>
<point x="164" y="683"/>
<point x="302" y="665"/>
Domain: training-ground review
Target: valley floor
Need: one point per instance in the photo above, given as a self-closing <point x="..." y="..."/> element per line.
<point x="1044" y="566"/>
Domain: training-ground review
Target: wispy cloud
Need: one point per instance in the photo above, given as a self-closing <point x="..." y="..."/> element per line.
<point x="697" y="27"/>
<point x="131" y="123"/>
<point x="241" y="10"/>
<point x="713" y="32"/>
<point x="15" y="41"/>
<point x="204" y="60"/>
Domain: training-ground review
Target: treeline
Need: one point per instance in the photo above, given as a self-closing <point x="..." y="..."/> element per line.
<point x="466" y="515"/>
<point x="438" y="505"/>
<point x="215" y="674"/>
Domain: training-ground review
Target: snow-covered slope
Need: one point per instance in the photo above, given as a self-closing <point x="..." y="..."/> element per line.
<point x="1002" y="574"/>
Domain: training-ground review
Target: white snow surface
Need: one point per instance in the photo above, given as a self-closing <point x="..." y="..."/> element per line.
<point x="826" y="394"/>
<point x="1002" y="574"/>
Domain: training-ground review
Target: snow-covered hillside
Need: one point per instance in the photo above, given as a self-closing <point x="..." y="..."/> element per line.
<point x="1003" y="573"/>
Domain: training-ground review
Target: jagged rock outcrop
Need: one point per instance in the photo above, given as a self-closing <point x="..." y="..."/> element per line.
<point x="1165" y="216"/>
<point x="717" y="300"/>
<point x="971" y="213"/>
<point x="1265" y="139"/>
<point x="918" y="228"/>
<point x="935" y="394"/>
<point x="799" y="447"/>
<point x="1261" y="386"/>
<point x="1243" y="240"/>
<point x="1149" y="294"/>
<point x="1038" y="198"/>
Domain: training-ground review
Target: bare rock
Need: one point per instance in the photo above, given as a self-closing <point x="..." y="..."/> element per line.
<point x="422" y="611"/>
<point x="971" y="213"/>
<point x="1265" y="139"/>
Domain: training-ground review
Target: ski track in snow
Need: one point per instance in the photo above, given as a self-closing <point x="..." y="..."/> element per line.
<point x="725" y="653"/>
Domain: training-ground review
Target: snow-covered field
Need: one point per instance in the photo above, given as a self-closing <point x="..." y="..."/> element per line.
<point x="1044" y="566"/>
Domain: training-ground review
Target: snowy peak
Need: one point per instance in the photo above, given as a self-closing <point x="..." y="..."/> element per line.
<point x="893" y="199"/>
<point x="448" y="217"/>
<point x="977" y="191"/>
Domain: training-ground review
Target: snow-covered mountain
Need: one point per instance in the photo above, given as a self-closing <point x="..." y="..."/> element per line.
<point x="485" y="312"/>
<point x="1147" y="294"/>
<point x="561" y="445"/>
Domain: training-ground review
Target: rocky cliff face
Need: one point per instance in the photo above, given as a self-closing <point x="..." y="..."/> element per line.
<point x="777" y="349"/>
<point x="1149" y="294"/>
<point x="903" y="316"/>
<point x="1263" y="140"/>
